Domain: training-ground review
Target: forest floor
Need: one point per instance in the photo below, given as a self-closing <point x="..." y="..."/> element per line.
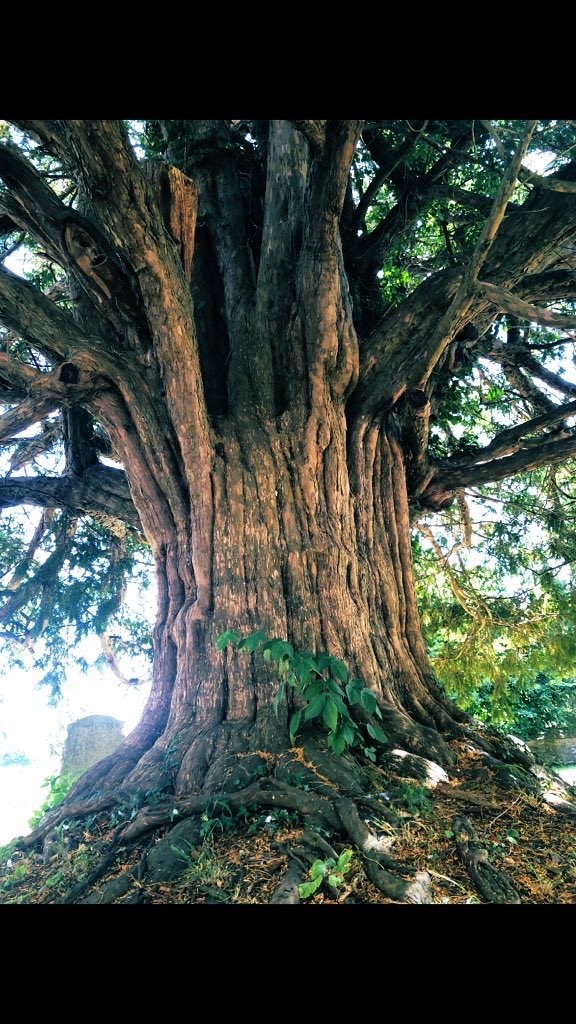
<point x="242" y="857"/>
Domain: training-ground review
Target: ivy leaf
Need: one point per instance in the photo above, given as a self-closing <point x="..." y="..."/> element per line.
<point x="338" y="669"/>
<point x="322" y="661"/>
<point x="277" y="649"/>
<point x="349" y="733"/>
<point x="368" y="701"/>
<point x="252" y="641"/>
<point x="294" y="724"/>
<point x="353" y="688"/>
<point x="330" y="714"/>
<point x="336" y="742"/>
<point x="315" y="707"/>
<point x="228" y="637"/>
<point x="376" y="733"/>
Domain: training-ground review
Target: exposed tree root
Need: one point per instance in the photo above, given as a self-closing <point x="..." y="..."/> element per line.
<point x="337" y="799"/>
<point x="494" y="885"/>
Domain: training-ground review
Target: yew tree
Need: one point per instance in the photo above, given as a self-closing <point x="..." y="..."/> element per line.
<point x="244" y="349"/>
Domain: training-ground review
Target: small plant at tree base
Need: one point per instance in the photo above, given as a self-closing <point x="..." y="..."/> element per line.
<point x="58" y="787"/>
<point x="413" y="797"/>
<point x="330" y="870"/>
<point x="322" y="683"/>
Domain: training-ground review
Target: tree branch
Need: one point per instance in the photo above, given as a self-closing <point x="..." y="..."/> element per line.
<point x="124" y="202"/>
<point x="507" y="354"/>
<point x="102" y="490"/>
<point x="287" y="162"/>
<point x="385" y="171"/>
<point x="552" y="184"/>
<point x="33" y="317"/>
<point x="68" y="237"/>
<point x="454" y="318"/>
<point x="440" y="490"/>
<point x="23" y="416"/>
<point x="313" y="131"/>
<point x="509" y="440"/>
<point x="415" y="196"/>
<point x="510" y="303"/>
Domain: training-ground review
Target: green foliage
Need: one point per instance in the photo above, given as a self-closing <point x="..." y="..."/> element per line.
<point x="413" y="797"/>
<point x="499" y="607"/>
<point x="330" y="871"/>
<point x="528" y="711"/>
<point x="72" y="585"/>
<point x="18" y="875"/>
<point x="58" y="787"/>
<point x="322" y="686"/>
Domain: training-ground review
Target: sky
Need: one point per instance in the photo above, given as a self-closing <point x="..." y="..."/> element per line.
<point x="29" y="726"/>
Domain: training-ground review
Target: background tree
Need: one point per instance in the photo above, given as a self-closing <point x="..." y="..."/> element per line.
<point x="247" y="349"/>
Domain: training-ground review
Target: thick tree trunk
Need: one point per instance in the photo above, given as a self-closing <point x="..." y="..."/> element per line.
<point x="338" y="580"/>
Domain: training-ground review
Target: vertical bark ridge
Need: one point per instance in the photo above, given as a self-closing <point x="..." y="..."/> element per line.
<point x="286" y="172"/>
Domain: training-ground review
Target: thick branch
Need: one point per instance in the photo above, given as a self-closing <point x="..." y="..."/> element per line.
<point x="510" y="303"/>
<point x="125" y="203"/>
<point x="23" y="416"/>
<point x="398" y="352"/>
<point x="416" y="194"/>
<point x="385" y="170"/>
<point x="67" y="236"/>
<point x="26" y="311"/>
<point x="526" y="388"/>
<point x="46" y="391"/>
<point x="327" y="183"/>
<point x="512" y="354"/>
<point x="30" y="448"/>
<point x="286" y="171"/>
<point x="102" y="490"/>
<point x="508" y="441"/>
<point x="313" y="131"/>
<point x="439" y="491"/>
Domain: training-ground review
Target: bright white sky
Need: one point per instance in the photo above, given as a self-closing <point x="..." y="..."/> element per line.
<point x="29" y="726"/>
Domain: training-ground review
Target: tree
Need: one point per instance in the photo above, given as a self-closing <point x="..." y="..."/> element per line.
<point x="259" y="326"/>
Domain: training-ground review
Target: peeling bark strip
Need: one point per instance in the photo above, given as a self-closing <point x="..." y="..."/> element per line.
<point x="272" y="419"/>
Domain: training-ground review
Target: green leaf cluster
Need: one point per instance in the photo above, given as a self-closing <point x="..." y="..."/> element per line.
<point x="322" y="687"/>
<point x="329" y="870"/>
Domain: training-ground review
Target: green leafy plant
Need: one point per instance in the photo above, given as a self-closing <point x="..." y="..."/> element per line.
<point x="413" y="797"/>
<point x="58" y="787"/>
<point x="322" y="684"/>
<point x="17" y="875"/>
<point x="329" y="870"/>
<point x="202" y="864"/>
